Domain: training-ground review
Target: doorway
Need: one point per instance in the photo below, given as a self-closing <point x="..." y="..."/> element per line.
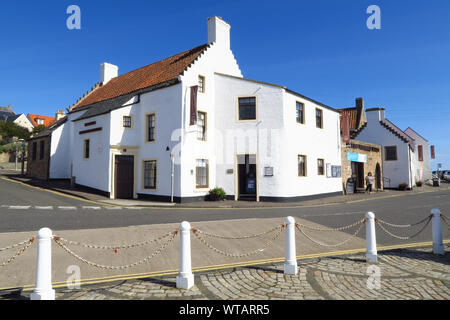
<point x="246" y="177"/>
<point x="124" y="177"/>
<point x="378" y="176"/>
<point x="358" y="174"/>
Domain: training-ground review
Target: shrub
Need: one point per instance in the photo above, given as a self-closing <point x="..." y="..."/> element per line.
<point x="402" y="186"/>
<point x="419" y="183"/>
<point x="217" y="194"/>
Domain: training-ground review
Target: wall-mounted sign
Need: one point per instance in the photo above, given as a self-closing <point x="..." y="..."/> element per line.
<point x="229" y="171"/>
<point x="356" y="157"/>
<point x="336" y="171"/>
<point x="268" y="171"/>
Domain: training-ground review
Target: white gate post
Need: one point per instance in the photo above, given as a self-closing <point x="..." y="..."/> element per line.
<point x="371" y="241"/>
<point x="290" y="262"/>
<point x="185" y="278"/>
<point x="43" y="289"/>
<point x="438" y="245"/>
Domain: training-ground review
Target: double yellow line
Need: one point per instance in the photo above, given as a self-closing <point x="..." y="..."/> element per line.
<point x="103" y="280"/>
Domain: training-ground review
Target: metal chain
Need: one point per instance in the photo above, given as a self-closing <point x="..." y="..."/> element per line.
<point x="234" y="255"/>
<point x="404" y="225"/>
<point x="28" y="244"/>
<point x="16" y="245"/>
<point x="235" y="238"/>
<point x="399" y="237"/>
<point x="445" y="219"/>
<point x="160" y="249"/>
<point x="125" y="246"/>
<point x="333" y="229"/>
<point x="330" y="245"/>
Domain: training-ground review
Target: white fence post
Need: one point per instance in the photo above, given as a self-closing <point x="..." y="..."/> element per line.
<point x="185" y="278"/>
<point x="290" y="262"/>
<point x="371" y="241"/>
<point x="43" y="289"/>
<point x="438" y="245"/>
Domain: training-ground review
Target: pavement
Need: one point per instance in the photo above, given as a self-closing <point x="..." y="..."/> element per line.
<point x="402" y="274"/>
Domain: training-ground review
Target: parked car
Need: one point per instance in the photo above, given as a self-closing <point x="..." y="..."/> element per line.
<point x="446" y="175"/>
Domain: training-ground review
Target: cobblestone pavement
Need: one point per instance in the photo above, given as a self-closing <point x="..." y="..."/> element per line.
<point x="405" y="274"/>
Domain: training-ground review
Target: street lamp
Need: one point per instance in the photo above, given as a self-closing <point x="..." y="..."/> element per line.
<point x="23" y="156"/>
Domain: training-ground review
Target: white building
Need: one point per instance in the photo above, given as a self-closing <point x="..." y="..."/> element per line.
<point x="400" y="150"/>
<point x="256" y="140"/>
<point x="421" y="160"/>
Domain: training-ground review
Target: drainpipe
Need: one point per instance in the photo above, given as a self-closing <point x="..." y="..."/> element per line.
<point x="172" y="176"/>
<point x="257" y="160"/>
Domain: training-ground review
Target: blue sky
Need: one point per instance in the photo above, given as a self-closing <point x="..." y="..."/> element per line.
<point x="321" y="49"/>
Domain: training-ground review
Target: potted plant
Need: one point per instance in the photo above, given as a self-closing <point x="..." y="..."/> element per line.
<point x="419" y="183"/>
<point x="403" y="186"/>
<point x="217" y="194"/>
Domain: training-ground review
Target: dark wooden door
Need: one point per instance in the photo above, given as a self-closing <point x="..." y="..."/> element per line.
<point x="247" y="177"/>
<point x="124" y="168"/>
<point x="378" y="175"/>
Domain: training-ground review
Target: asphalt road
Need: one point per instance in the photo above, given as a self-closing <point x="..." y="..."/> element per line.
<point x="26" y="209"/>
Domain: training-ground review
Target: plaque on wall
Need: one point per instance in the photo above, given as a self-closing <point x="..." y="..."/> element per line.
<point x="229" y="171"/>
<point x="336" y="171"/>
<point x="268" y="171"/>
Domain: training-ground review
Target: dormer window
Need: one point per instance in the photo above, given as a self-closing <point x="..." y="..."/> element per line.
<point x="40" y="122"/>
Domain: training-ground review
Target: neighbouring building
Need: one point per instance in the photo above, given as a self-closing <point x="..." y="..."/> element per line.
<point x="42" y="149"/>
<point x="421" y="168"/>
<point x="39" y="120"/>
<point x="195" y="116"/>
<point x="8" y="115"/>
<point x="358" y="157"/>
<point x="400" y="152"/>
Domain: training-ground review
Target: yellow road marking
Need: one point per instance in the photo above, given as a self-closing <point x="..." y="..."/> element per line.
<point x="61" y="284"/>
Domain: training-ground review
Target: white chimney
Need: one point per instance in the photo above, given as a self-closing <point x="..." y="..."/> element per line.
<point x="107" y="72"/>
<point x="219" y="32"/>
<point x="376" y="114"/>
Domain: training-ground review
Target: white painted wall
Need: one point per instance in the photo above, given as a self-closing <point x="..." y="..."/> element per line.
<point x="92" y="172"/>
<point x="397" y="171"/>
<point x="280" y="141"/>
<point x="424" y="165"/>
<point x="59" y="153"/>
<point x="24" y="122"/>
<point x="215" y="59"/>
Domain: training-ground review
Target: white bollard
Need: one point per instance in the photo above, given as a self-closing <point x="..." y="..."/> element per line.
<point x="43" y="289"/>
<point x="290" y="262"/>
<point x="438" y="245"/>
<point x="371" y="241"/>
<point x="185" y="278"/>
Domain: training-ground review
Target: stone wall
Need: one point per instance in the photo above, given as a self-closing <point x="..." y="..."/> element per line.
<point x="374" y="157"/>
<point x="39" y="168"/>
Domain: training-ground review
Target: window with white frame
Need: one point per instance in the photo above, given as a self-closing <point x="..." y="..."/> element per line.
<point x="150" y="174"/>
<point x="201" y="173"/>
<point x="151" y="127"/>
<point x="201" y="126"/>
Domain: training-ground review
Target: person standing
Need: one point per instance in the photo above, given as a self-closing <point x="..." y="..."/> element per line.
<point x="369" y="182"/>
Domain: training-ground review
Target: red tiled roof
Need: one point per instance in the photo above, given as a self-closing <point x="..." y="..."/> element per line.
<point x="153" y="74"/>
<point x="47" y="120"/>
